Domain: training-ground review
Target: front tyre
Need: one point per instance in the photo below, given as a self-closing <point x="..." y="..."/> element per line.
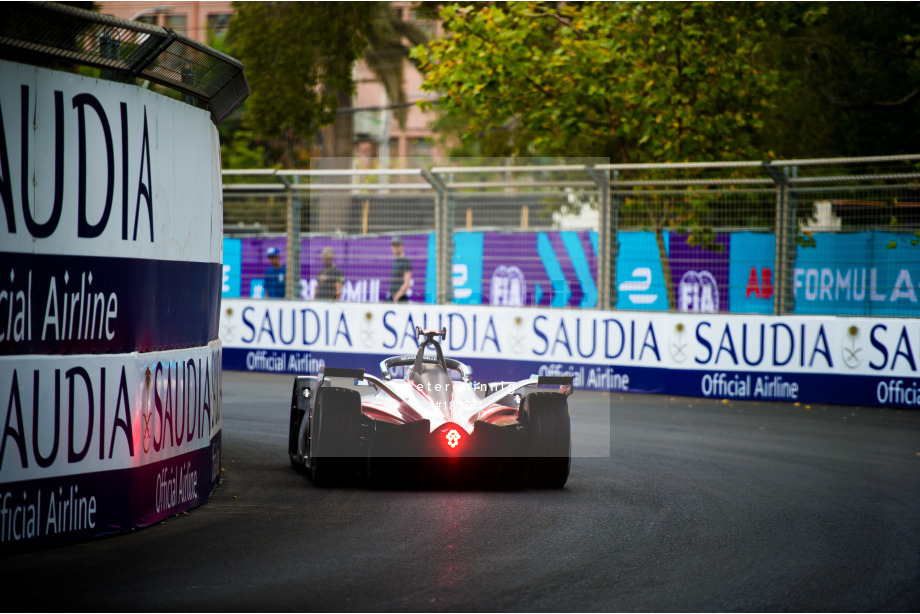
<point x="335" y="435"/>
<point x="548" y="425"/>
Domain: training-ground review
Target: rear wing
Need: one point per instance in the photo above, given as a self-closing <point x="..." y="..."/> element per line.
<point x="565" y="383"/>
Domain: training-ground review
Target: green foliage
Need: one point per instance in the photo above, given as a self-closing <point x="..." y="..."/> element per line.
<point x="298" y="57"/>
<point x="241" y="150"/>
<point x="631" y="82"/>
<point x="851" y="80"/>
<point x="386" y="52"/>
<point x="634" y="82"/>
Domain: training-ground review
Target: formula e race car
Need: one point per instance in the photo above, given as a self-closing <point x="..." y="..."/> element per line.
<point x="428" y="422"/>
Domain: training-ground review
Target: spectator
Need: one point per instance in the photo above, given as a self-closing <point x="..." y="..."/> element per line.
<point x="330" y="278"/>
<point x="275" y="274"/>
<point x="401" y="274"/>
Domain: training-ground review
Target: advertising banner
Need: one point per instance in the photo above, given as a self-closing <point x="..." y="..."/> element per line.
<point x="553" y="269"/>
<point x="110" y="286"/>
<point x="751" y="275"/>
<point x="94" y="444"/>
<point x="852" y="361"/>
<point x="862" y="273"/>
<point x="700" y="274"/>
<point x="105" y="169"/>
<point x="641" y="284"/>
<point x="111" y="232"/>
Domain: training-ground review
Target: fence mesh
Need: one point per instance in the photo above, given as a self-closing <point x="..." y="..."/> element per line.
<point x="835" y="237"/>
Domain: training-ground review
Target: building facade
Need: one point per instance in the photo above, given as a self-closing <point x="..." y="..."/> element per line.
<point x="379" y="139"/>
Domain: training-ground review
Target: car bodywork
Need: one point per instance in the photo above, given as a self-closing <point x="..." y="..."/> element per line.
<point x="422" y="424"/>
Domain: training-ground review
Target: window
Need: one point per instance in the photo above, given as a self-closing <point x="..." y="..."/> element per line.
<point x="218" y="22"/>
<point x="420" y="150"/>
<point x="176" y="22"/>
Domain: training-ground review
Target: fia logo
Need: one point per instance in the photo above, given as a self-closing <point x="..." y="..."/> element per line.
<point x="698" y="292"/>
<point x="508" y="286"/>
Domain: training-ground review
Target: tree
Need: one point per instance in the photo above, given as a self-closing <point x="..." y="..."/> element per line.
<point x="632" y="82"/>
<point x="299" y="58"/>
<point x="851" y="75"/>
<point x="385" y="55"/>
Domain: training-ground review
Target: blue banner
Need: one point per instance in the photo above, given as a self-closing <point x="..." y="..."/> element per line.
<point x="640" y="278"/>
<point x="750" y="275"/>
<point x="232" y="268"/>
<point x="863" y="273"/>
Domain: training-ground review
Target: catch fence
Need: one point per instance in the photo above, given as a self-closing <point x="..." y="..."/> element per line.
<point x="829" y="237"/>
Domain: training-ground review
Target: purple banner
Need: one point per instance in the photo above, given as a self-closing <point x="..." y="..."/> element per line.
<point x="365" y="262"/>
<point x="700" y="275"/>
<point x="551" y="269"/>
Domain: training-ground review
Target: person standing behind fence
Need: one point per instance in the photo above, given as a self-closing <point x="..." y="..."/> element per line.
<point x="401" y="274"/>
<point x="330" y="280"/>
<point x="275" y="274"/>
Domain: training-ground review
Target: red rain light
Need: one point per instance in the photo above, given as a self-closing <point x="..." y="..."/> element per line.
<point x="450" y="438"/>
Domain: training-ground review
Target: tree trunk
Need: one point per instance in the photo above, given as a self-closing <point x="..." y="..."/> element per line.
<point x="332" y="211"/>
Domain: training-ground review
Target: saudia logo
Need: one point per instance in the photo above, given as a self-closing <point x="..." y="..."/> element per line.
<point x="851" y="347"/>
<point x="679" y="345"/>
<point x="85" y="105"/>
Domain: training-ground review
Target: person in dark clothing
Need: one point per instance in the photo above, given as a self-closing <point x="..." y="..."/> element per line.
<point x="401" y="274"/>
<point x="330" y="278"/>
<point x="275" y="274"/>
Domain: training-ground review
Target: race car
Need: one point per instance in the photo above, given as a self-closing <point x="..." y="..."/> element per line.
<point x="427" y="421"/>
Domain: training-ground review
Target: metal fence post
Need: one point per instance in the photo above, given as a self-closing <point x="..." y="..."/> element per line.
<point x="784" y="258"/>
<point x="294" y="247"/>
<point x="292" y="227"/>
<point x="614" y="242"/>
<point x="606" y="252"/>
<point x="443" y="286"/>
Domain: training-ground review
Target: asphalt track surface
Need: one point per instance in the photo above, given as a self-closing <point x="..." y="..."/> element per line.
<point x="673" y="504"/>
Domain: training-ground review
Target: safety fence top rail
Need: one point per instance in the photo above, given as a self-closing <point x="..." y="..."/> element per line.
<point x="613" y="176"/>
<point x="855" y="178"/>
<point x="321" y="187"/>
<point x="677" y="166"/>
<point x="43" y="31"/>
<point x="561" y="168"/>
<point x="690" y="182"/>
<point x="830" y="161"/>
<point x="482" y="185"/>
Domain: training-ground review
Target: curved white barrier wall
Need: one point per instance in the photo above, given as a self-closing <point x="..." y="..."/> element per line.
<point x="110" y="269"/>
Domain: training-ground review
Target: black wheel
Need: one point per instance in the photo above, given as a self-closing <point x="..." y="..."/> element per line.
<point x="300" y="404"/>
<point x="335" y="435"/>
<point x="549" y="431"/>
